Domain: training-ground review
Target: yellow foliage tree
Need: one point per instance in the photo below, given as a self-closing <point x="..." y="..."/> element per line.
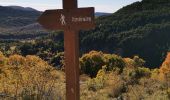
<point x="28" y="78"/>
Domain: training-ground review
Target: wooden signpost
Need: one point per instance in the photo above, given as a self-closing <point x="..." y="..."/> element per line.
<point x="71" y="19"/>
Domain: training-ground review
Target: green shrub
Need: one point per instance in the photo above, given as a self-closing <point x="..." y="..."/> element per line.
<point x="98" y="82"/>
<point x="113" y="61"/>
<point x="58" y="60"/>
<point x="140" y="72"/>
<point x="93" y="61"/>
<point x="139" y="62"/>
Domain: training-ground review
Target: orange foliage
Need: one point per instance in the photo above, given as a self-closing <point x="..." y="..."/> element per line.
<point x="165" y="68"/>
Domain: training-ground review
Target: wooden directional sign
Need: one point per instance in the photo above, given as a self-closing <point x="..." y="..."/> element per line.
<point x="66" y="19"/>
<point x="70" y="19"/>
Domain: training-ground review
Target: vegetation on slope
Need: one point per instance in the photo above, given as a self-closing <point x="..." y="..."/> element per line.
<point x="30" y="77"/>
<point x="141" y="28"/>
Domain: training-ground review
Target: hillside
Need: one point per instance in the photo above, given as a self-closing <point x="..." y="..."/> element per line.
<point x="19" y="23"/>
<point x="141" y="28"/>
<point x="16" y="17"/>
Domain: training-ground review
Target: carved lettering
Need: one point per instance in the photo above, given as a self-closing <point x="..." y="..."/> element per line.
<point x="81" y="19"/>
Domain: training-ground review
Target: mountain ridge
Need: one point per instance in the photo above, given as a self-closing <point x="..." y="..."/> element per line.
<point x="11" y="17"/>
<point x="18" y="17"/>
<point x="21" y="8"/>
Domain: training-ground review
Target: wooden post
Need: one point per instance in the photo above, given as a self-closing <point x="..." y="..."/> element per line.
<point x="69" y="4"/>
<point x="71" y="44"/>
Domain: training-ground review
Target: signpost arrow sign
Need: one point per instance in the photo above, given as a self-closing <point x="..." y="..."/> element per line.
<point x="74" y="19"/>
<point x="70" y="19"/>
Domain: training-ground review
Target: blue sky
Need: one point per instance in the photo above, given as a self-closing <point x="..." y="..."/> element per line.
<point x="100" y="5"/>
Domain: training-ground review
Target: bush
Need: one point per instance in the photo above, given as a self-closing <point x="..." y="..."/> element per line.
<point x="27" y="77"/>
<point x="140" y="72"/>
<point x="165" y="68"/>
<point x="138" y="61"/>
<point x="113" y="61"/>
<point x="93" y="61"/>
<point x="2" y="59"/>
<point x="98" y="82"/>
<point x="168" y="92"/>
<point x="155" y="73"/>
<point x="130" y="63"/>
<point x="58" y="60"/>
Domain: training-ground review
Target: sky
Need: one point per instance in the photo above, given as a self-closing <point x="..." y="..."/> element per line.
<point x="109" y="6"/>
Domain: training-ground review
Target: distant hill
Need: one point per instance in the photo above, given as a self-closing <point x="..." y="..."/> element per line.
<point x="22" y="8"/>
<point x="141" y="28"/>
<point x="16" y="20"/>
<point x="15" y="16"/>
<point x="97" y="14"/>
